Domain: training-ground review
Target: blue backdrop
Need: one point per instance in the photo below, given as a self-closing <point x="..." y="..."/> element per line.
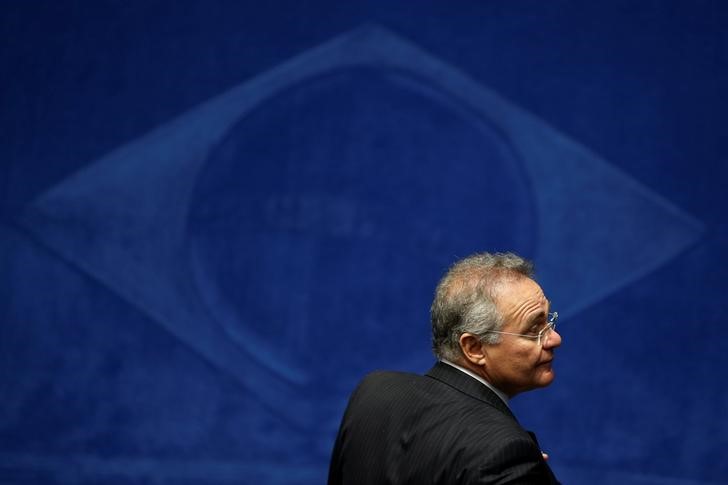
<point x="218" y="216"/>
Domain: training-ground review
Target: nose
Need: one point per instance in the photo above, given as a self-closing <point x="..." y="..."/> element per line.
<point x="553" y="340"/>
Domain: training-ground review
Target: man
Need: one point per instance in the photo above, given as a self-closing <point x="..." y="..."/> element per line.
<point x="494" y="336"/>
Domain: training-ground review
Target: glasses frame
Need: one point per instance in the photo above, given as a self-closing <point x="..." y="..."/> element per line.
<point x="550" y="325"/>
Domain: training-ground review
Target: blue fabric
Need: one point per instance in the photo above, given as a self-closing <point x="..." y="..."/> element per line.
<point x="215" y="225"/>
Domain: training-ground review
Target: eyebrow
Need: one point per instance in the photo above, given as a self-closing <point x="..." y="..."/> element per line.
<point x="539" y="316"/>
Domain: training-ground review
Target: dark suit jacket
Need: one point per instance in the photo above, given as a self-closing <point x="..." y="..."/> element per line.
<point x="441" y="428"/>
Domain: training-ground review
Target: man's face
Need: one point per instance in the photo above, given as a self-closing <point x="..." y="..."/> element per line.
<point x="518" y="364"/>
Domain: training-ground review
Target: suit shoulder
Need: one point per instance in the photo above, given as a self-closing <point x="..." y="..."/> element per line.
<point x="389" y="375"/>
<point x="389" y="383"/>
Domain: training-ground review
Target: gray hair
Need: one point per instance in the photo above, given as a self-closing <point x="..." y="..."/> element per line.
<point x="465" y="300"/>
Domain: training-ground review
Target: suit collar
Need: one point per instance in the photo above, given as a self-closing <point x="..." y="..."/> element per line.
<point x="478" y="378"/>
<point x="466" y="384"/>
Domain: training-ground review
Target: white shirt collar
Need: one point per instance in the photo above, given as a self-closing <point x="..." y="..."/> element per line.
<point x="475" y="376"/>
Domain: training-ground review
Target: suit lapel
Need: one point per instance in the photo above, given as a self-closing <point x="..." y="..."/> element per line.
<point x="466" y="384"/>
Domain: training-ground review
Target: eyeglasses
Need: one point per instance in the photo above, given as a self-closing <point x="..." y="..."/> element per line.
<point x="542" y="336"/>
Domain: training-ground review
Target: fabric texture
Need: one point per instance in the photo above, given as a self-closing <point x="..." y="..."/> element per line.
<point x="441" y="428"/>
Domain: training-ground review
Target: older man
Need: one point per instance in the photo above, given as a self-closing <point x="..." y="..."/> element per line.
<point x="494" y="335"/>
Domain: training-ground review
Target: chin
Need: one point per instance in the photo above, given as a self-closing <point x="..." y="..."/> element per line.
<point x="546" y="378"/>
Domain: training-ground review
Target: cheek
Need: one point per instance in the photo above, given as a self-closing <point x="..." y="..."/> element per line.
<point x="528" y="355"/>
<point x="524" y="363"/>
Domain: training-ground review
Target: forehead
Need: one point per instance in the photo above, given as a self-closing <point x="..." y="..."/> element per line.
<point x="520" y="296"/>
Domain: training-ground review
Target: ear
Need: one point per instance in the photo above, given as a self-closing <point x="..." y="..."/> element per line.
<point x="472" y="349"/>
